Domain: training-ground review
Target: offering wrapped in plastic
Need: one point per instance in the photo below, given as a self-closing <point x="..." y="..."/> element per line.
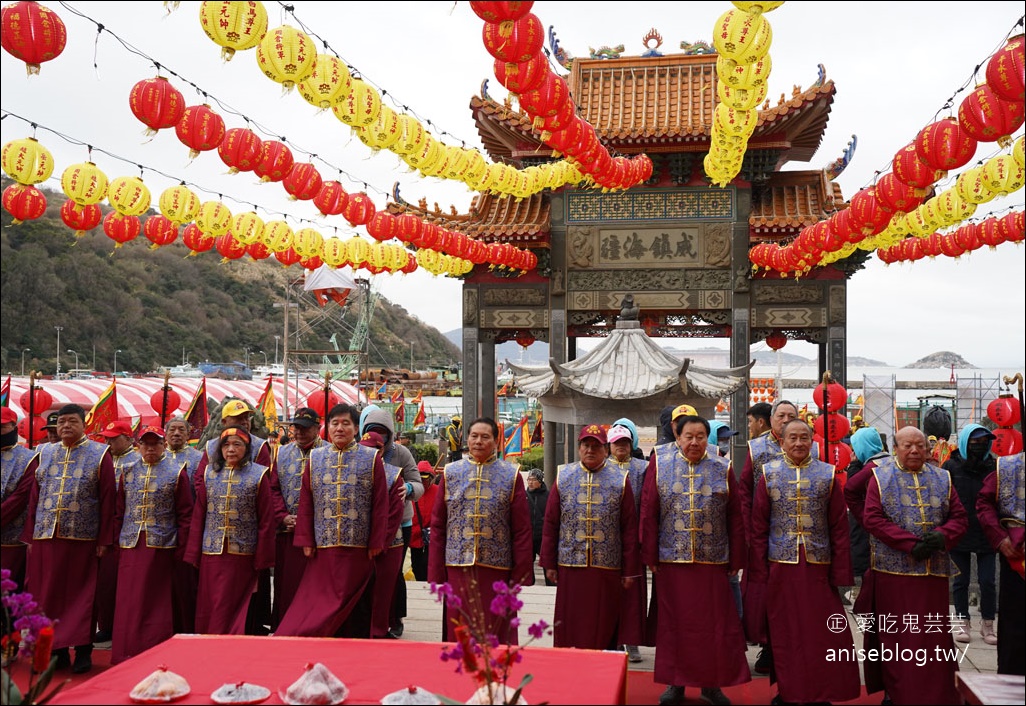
<point x="317" y="687"/>
<point x="411" y="695"/>
<point x="160" y="687"/>
<point x="495" y="693"/>
<point x="240" y="693"/>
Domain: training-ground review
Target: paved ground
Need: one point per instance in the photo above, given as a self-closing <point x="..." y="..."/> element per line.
<point x="424" y="622"/>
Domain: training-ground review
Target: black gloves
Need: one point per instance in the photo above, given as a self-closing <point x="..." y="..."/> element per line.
<point x="921" y="551"/>
<point x="932" y="541"/>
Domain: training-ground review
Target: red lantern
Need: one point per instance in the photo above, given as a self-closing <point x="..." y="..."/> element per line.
<point x="160" y="231"/>
<point x="895" y="194"/>
<point x="200" y="129"/>
<point x="196" y="240"/>
<point x="174" y="400"/>
<point x="80" y="218"/>
<point x="968" y="237"/>
<point x="156" y="103"/>
<point x="1006" y="73"/>
<point x="524" y="337"/>
<point x="514" y="42"/>
<point x="522" y="77"/>
<point x="837" y="396"/>
<point x="229" y="247"/>
<point x="38" y="432"/>
<point x="383" y="226"/>
<point x="24" y="202"/>
<point x="331" y="200"/>
<point x="240" y="150"/>
<point x="836" y="426"/>
<point x="776" y="340"/>
<point x="1003" y="411"/>
<point x="311" y="263"/>
<point x="932" y="245"/>
<point x="990" y="233"/>
<point x="428" y="236"/>
<point x="987" y="117"/>
<point x="950" y="246"/>
<point x="258" y="251"/>
<point x="121" y="229"/>
<point x="39" y="403"/>
<point x="275" y="161"/>
<point x="1011" y="226"/>
<point x="303" y="181"/>
<point x="1007" y="442"/>
<point x="32" y="33"/>
<point x="317" y="401"/>
<point x="911" y="170"/>
<point x="547" y="99"/>
<point x="359" y="210"/>
<point x="840" y="455"/>
<point x="287" y="257"/>
<point x="497" y="12"/>
<point x="944" y="145"/>
<point x="409" y="228"/>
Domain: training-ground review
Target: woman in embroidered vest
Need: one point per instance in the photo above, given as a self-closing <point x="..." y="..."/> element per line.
<point x="151" y="524"/>
<point x="232" y="534"/>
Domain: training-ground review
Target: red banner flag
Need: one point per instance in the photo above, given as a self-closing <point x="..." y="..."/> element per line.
<point x="104" y="411"/>
<point x="268" y="407"/>
<point x="537" y="435"/>
<point x="198" y="415"/>
<point x="421" y="417"/>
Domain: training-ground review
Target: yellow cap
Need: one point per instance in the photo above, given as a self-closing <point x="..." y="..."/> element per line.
<point x="234" y="408"/>
<point x="684" y="410"/>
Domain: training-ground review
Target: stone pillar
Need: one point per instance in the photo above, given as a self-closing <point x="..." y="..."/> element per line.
<point x="740" y="322"/>
<point x="471" y="374"/>
<point x="487" y="388"/>
<point x="837" y="338"/>
<point x="555" y="439"/>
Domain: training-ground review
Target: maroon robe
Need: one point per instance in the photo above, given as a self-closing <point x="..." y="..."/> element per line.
<point x="473" y="584"/>
<point x="699" y="638"/>
<point x="589" y="600"/>
<point x="227" y="581"/>
<point x="753" y="595"/>
<point x="61" y="573"/>
<point x="800" y="599"/>
<point x="335" y="577"/>
<point x="895" y="595"/>
<point x="145" y="614"/>
<point x="389" y="563"/>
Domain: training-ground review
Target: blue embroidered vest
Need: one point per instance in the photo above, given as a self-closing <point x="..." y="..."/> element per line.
<point x="394" y="474"/>
<point x="916" y="502"/>
<point x="150" y="503"/>
<point x="124" y="462"/>
<point x="232" y="524"/>
<point x="765" y="448"/>
<point x="692" y="508"/>
<point x="191" y="457"/>
<point x="635" y="470"/>
<point x="255" y="444"/>
<point x="589" y="523"/>
<point x="13" y="462"/>
<point x="342" y="485"/>
<point x="1010" y="487"/>
<point x="799" y="510"/>
<point x="290" y="462"/>
<point x="69" y="491"/>
<point x="479" y="500"/>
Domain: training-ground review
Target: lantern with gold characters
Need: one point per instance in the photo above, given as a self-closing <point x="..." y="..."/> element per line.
<point x="214" y="218"/>
<point x="328" y="84"/>
<point x="80" y="218"/>
<point x="240" y="150"/>
<point x="200" y="129"/>
<point x="179" y="204"/>
<point x="156" y="103"/>
<point x="84" y="183"/>
<point x="121" y="228"/>
<point x="24" y="202"/>
<point x="27" y="161"/>
<point x="247" y="227"/>
<point x="196" y="240"/>
<point x="286" y="55"/>
<point x="160" y="231"/>
<point x="234" y="26"/>
<point x="129" y="196"/>
<point x="32" y="33"/>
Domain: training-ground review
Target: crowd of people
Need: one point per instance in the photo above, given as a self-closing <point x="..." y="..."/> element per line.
<point x="144" y="536"/>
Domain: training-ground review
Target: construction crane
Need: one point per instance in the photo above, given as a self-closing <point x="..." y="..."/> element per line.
<point x="346" y="364"/>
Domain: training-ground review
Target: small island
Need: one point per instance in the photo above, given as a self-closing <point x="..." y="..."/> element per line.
<point x="942" y="359"/>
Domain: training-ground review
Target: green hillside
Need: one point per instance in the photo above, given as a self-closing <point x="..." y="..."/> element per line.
<point x="160" y="306"/>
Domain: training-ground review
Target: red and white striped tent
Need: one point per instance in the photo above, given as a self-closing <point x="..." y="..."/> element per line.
<point x="134" y="393"/>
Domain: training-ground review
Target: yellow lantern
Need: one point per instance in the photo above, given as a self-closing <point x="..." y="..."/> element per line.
<point x="413" y="136"/>
<point x="952" y="209"/>
<point x="359" y="250"/>
<point x="277" y="236"/>
<point x="742" y="36"/>
<point x="741" y="98"/>
<point x="286" y="55"/>
<point x="436" y="167"/>
<point x="504" y="182"/>
<point x="179" y="204"/>
<point x="1018" y="151"/>
<point x="328" y="84"/>
<point x="129" y="196"/>
<point x="383" y="133"/>
<point x="738" y="75"/>
<point x="234" y="26"/>
<point x="335" y="253"/>
<point x="735" y="123"/>
<point x="757" y="8"/>
<point x="971" y="187"/>
<point x="361" y="107"/>
<point x="247" y="227"/>
<point x="428" y="153"/>
<point x="214" y="218"/>
<point x="84" y="183"/>
<point x="456" y="166"/>
<point x="375" y="255"/>
<point x="1002" y="175"/>
<point x="27" y="161"/>
<point x="307" y="242"/>
<point x="475" y="169"/>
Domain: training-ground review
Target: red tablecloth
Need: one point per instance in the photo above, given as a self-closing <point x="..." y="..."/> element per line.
<point x="370" y="668"/>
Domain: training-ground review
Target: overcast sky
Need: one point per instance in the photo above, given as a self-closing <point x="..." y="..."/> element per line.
<point x="895" y="67"/>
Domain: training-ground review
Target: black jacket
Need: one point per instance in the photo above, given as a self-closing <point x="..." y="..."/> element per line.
<point x="537" y="499"/>
<point x="967" y="478"/>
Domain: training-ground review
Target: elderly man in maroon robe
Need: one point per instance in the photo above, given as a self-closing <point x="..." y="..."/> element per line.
<point x="913" y="517"/>
<point x="15" y="458"/>
<point x="801" y="551"/>
<point x="341" y="524"/>
<point x="70" y="524"/>
<point x="231" y="538"/>
<point x="1001" y="510"/>
<point x="287" y="470"/>
<point x="692" y="539"/>
<point x="589" y="547"/>
<point x="481" y="532"/>
<point x="154" y="510"/>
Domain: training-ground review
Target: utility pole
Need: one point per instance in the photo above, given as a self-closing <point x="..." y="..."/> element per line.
<point x="59" y="329"/>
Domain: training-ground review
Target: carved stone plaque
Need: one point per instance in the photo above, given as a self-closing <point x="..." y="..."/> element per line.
<point x="645" y="247"/>
<point x="789" y="317"/>
<point x="506" y="296"/>
<point x="469" y="306"/>
<point x="786" y="293"/>
<point x="514" y="318"/>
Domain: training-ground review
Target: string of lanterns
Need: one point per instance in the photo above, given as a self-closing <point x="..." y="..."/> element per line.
<point x="973" y="236"/>
<point x="882" y="215"/>
<point x="288" y="56"/>
<point x="514" y="37"/>
<point x="742" y="38"/>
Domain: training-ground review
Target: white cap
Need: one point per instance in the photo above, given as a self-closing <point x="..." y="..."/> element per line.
<point x="618" y="432"/>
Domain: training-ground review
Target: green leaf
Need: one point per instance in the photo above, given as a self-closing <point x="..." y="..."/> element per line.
<point x="9" y="691"/>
